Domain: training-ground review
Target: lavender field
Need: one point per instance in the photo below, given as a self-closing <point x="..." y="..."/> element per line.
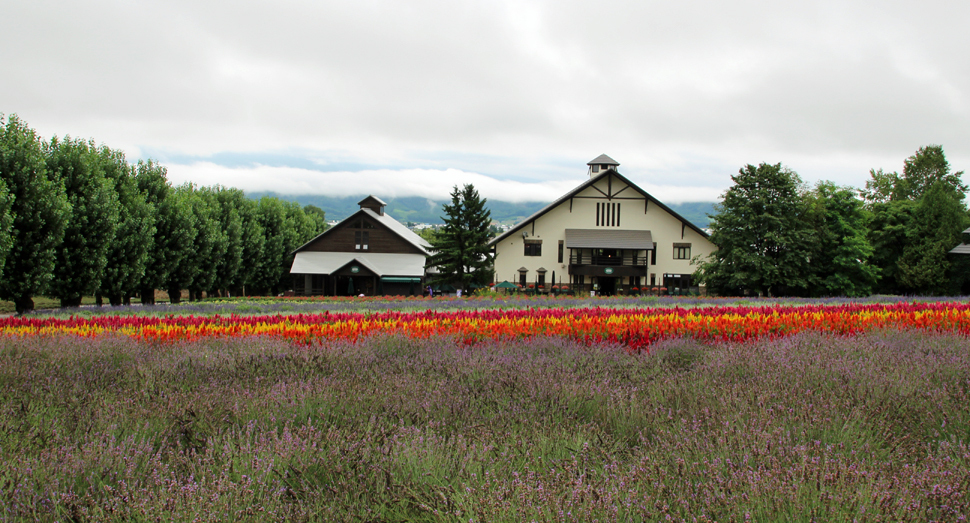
<point x="810" y="428"/>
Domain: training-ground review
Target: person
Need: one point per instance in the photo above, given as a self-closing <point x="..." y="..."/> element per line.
<point x="458" y="293"/>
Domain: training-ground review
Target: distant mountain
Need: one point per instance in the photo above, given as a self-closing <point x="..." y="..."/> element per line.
<point x="423" y="210"/>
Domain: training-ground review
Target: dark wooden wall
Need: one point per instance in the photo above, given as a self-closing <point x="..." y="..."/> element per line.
<point x="341" y="239"/>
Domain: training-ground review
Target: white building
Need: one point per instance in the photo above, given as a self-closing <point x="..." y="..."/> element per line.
<point x="606" y="235"/>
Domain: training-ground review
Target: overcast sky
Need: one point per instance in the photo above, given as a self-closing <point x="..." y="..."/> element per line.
<point x="401" y="98"/>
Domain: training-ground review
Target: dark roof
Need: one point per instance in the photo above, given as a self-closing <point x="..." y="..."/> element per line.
<point x="603" y="160"/>
<point x="384" y="219"/>
<point x="373" y="199"/>
<point x="593" y="179"/>
<point x="608" y="239"/>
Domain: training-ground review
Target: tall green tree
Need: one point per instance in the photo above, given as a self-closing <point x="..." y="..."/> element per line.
<point x="888" y="233"/>
<point x="926" y="167"/>
<point x="134" y="238"/>
<point x="253" y="240"/>
<point x="39" y="209"/>
<point x="914" y="215"/>
<point x="82" y="255"/>
<point x="460" y="249"/>
<point x="763" y="239"/>
<point x="174" y="229"/>
<point x="841" y="251"/>
<point x="271" y="215"/>
<point x="938" y="221"/>
<point x="6" y="221"/>
<point x="227" y="203"/>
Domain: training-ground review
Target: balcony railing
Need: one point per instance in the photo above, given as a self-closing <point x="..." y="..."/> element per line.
<point x="615" y="261"/>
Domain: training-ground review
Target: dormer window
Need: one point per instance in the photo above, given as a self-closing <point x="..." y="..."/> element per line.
<point x="596" y="168"/>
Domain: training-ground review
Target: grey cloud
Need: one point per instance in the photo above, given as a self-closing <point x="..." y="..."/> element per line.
<point x="680" y="90"/>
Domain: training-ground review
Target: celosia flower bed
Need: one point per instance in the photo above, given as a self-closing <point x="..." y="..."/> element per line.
<point x="635" y="328"/>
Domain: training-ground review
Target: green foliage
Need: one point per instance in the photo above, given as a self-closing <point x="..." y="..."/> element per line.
<point x="840" y="259"/>
<point x="888" y="233"/>
<point x="175" y="231"/>
<point x="938" y="221"/>
<point x="253" y="244"/>
<point x="917" y="218"/>
<point x="271" y="216"/>
<point x="764" y="242"/>
<point x="128" y="254"/>
<point x="460" y="249"/>
<point x="301" y="226"/>
<point x="39" y="209"/>
<point x="83" y="254"/>
<point x="226" y="204"/>
<point x="6" y="222"/>
<point x="197" y="272"/>
<point x="926" y="167"/>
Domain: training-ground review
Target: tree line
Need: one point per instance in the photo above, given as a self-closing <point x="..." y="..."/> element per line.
<point x="777" y="237"/>
<point x="77" y="219"/>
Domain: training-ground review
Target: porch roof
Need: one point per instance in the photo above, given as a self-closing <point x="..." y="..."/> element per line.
<point x="381" y="264"/>
<point x="608" y="239"/>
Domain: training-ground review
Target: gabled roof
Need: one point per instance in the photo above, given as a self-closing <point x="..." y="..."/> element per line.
<point x="603" y="160"/>
<point x="384" y="219"/>
<point x="583" y="186"/>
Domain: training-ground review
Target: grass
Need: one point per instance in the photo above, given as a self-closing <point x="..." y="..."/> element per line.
<point x="44" y="303"/>
<point x="810" y="428"/>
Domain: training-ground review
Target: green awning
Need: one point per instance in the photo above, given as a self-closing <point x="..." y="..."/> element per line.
<point x="398" y="279"/>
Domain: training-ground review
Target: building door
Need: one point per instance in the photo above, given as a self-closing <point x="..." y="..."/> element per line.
<point x="607" y="286"/>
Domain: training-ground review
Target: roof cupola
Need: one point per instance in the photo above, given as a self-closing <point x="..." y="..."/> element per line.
<point x="600" y="164"/>
<point x="373" y="203"/>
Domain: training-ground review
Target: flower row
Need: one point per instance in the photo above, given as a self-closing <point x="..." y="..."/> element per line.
<point x="635" y="328"/>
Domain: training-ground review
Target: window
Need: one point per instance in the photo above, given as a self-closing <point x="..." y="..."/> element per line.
<point x="361" y="240"/>
<point x="560" y="251"/>
<point x="361" y="234"/>
<point x="533" y="247"/>
<point x="596" y="168"/>
<point x="681" y="251"/>
<point x="542" y="279"/>
<point x="608" y="214"/>
<point x="653" y="255"/>
<point x="522" y="280"/>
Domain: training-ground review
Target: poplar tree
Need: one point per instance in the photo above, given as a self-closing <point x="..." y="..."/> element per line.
<point x="460" y="249"/>
<point x="39" y="211"/>
<point x="174" y="230"/>
<point x="128" y="254"/>
<point x="82" y="255"/>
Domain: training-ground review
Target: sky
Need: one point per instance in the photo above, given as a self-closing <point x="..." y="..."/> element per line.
<point x="411" y="98"/>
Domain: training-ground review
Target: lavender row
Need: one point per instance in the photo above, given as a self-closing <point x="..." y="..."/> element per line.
<point x="872" y="428"/>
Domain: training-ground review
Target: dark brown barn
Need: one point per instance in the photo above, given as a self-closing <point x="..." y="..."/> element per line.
<point x="368" y="253"/>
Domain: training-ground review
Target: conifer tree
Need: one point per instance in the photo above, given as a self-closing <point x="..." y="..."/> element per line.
<point x="460" y="249"/>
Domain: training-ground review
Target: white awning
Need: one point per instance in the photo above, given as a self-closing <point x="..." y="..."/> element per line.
<point x="381" y="264"/>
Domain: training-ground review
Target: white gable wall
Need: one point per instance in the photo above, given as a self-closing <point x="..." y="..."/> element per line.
<point x="551" y="227"/>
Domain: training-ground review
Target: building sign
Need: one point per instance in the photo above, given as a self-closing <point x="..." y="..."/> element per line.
<point x="608" y="270"/>
<point x="355" y="269"/>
